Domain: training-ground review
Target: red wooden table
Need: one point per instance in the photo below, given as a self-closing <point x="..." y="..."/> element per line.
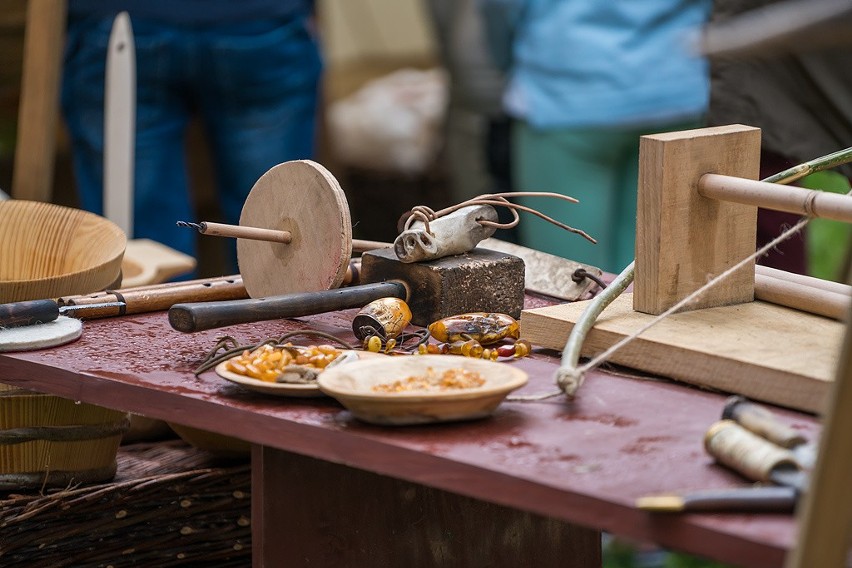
<point x="534" y="484"/>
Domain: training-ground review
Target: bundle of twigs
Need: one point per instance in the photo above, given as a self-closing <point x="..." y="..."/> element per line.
<point x="169" y="505"/>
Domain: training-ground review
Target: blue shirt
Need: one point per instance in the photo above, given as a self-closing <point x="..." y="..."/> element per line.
<point x="582" y="63"/>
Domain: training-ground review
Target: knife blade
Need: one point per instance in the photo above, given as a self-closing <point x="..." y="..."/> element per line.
<point x="120" y="124"/>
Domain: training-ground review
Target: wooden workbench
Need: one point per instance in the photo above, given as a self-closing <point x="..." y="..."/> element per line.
<point x="532" y="485"/>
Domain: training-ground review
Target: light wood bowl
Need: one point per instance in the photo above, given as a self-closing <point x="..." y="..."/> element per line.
<point x="353" y="386"/>
<point x="48" y="251"/>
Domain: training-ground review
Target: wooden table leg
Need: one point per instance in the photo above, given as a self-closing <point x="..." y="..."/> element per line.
<point x="308" y="512"/>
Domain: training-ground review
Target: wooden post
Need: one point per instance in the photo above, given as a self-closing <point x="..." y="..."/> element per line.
<point x="825" y="515"/>
<point x="39" y="104"/>
<point x="682" y="238"/>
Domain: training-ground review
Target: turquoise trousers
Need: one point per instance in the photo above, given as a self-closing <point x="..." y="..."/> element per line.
<point x="600" y="168"/>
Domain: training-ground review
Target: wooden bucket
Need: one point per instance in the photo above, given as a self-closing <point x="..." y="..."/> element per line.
<point x="48" y="441"/>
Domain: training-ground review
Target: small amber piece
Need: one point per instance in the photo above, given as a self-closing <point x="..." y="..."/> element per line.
<point x="373" y="343"/>
<point x="522" y="348"/>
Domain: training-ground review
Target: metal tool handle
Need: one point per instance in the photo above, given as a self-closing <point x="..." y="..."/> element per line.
<point x="29" y="312"/>
<point x="762" y="422"/>
<point x="199" y="316"/>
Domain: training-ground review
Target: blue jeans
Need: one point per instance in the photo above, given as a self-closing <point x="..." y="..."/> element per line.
<point x="254" y="85"/>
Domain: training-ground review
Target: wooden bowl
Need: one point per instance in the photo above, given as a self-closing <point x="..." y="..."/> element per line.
<point x="353" y="386"/>
<point x="48" y="251"/>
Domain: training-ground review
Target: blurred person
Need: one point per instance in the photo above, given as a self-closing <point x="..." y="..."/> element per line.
<point x="249" y="69"/>
<point x="802" y="102"/>
<point x="476" y="130"/>
<point x="586" y="79"/>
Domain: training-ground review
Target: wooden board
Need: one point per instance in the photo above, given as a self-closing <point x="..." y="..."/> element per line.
<point x="683" y="238"/>
<point x="759" y="350"/>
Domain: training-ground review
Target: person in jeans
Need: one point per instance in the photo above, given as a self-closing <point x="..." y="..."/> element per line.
<point x="250" y="70"/>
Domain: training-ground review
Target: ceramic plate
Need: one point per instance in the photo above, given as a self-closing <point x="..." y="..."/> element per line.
<point x="352" y="385"/>
<point x="279" y="389"/>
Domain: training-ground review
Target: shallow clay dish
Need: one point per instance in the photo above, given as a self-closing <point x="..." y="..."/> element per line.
<point x="48" y="251"/>
<point x="352" y="385"/>
<point x="281" y="389"/>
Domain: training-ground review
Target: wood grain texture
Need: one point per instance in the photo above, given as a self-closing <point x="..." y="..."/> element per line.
<point x="759" y="350"/>
<point x="398" y="523"/>
<point x="47" y="251"/>
<point x="682" y="238"/>
<point x="303" y="198"/>
<point x="39" y="108"/>
<point x="825" y="517"/>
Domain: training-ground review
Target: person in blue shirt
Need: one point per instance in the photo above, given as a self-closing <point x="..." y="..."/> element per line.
<point x="249" y="69"/>
<point x="585" y="80"/>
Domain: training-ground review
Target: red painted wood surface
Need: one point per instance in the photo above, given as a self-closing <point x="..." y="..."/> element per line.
<point x="584" y="461"/>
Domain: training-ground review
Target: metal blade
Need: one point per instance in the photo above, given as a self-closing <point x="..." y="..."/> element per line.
<point x="120" y="125"/>
<point x="547" y="273"/>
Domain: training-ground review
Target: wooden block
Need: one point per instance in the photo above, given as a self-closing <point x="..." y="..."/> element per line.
<point x="682" y="238"/>
<point x="759" y="350"/>
<point x="479" y="281"/>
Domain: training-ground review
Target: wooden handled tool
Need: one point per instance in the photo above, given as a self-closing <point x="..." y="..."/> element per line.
<point x="32" y="312"/>
<point x="481" y="280"/>
<point x="752" y="456"/>
<point x="207" y="315"/>
<point x="761" y="421"/>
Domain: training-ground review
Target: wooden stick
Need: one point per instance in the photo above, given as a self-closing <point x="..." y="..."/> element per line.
<point x="241" y="232"/>
<point x="801" y="297"/>
<point x="39" y="108"/>
<point x="791" y="199"/>
<point x="271" y="235"/>
<point x="827" y="285"/>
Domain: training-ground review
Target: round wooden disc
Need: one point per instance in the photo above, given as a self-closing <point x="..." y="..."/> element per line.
<point x="304" y="198"/>
<point x="57" y="332"/>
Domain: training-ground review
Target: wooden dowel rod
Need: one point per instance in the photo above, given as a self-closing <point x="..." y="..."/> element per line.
<point x="787" y="198"/>
<point x="801" y="297"/>
<point x="827" y="285"/>
<point x="362" y="246"/>
<point x="271" y="235"/>
<point x="241" y="232"/>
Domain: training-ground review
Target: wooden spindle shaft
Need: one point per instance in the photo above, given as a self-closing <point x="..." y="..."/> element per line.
<point x="241" y="232"/>
<point x="271" y="235"/>
<point x="786" y="198"/>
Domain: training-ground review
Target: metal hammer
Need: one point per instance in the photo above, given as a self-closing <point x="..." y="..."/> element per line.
<point x="479" y="280"/>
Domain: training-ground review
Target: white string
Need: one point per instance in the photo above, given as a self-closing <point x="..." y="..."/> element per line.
<point x="602" y="357"/>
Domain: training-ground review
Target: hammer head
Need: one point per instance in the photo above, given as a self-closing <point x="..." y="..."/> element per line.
<point x="477" y="281"/>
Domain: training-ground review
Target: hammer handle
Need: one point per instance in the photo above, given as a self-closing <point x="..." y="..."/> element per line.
<point x="199" y="316"/>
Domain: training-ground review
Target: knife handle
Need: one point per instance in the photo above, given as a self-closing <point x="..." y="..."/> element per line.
<point x="17" y="314"/>
<point x="198" y="316"/>
<point x="746" y="452"/>
<point x="762" y="422"/>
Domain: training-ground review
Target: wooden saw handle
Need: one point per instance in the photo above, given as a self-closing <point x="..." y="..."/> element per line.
<point x="199" y="316"/>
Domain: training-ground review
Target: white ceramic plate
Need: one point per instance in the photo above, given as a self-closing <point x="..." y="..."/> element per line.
<point x="279" y="389"/>
<point x="352" y="385"/>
